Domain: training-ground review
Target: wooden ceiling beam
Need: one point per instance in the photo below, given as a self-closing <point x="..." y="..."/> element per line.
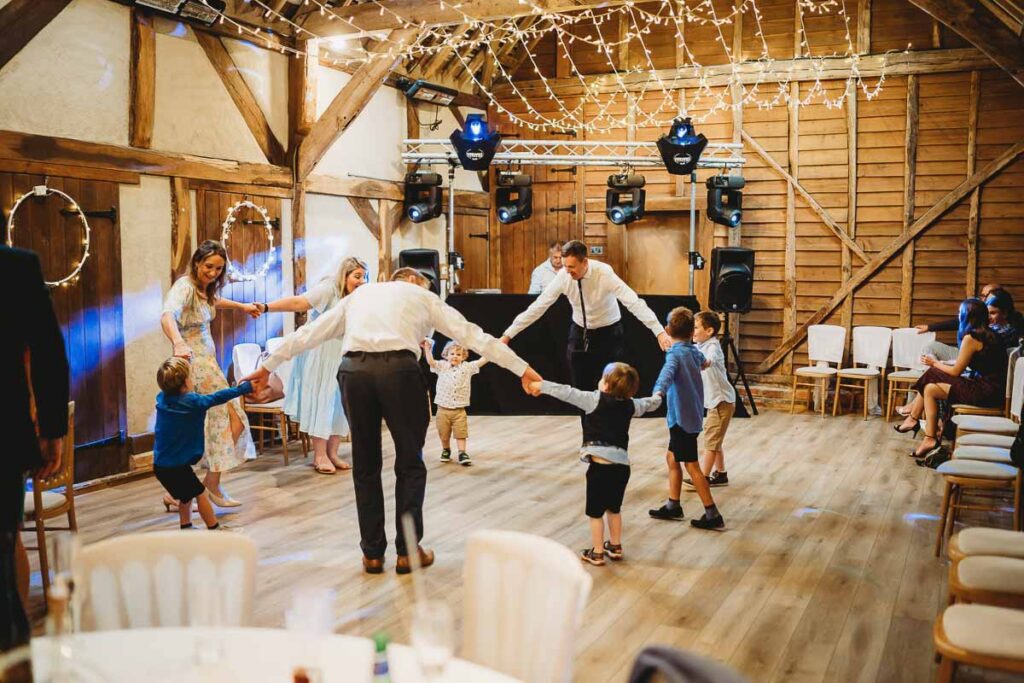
<point x="22" y="20"/>
<point x="242" y="96"/>
<point x="368" y="16"/>
<point x="347" y="104"/>
<point x="749" y="73"/>
<point x="434" y="64"/>
<point x="982" y="29"/>
<point x="462" y="99"/>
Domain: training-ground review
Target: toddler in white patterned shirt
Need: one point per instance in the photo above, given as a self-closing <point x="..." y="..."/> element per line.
<point x="454" y="377"/>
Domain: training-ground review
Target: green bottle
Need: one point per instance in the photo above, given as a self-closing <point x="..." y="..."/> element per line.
<point x="380" y="658"/>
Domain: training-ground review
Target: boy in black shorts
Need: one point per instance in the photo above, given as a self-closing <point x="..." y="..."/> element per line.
<point x="178" y="438"/>
<point x="607" y="413"/>
<point x="680" y="382"/>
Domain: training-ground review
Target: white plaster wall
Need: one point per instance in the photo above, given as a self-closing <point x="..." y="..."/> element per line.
<point x="334" y="231"/>
<point x="266" y="74"/>
<point x="145" y="278"/>
<point x="371" y="146"/>
<point x="194" y="113"/>
<point x="71" y="80"/>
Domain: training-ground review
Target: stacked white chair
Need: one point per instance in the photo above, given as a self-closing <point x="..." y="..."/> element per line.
<point x="907" y="348"/>
<point x="870" y="358"/>
<point x="159" y="579"/>
<point x="523" y="603"/>
<point x="246" y="358"/>
<point x="825" y="346"/>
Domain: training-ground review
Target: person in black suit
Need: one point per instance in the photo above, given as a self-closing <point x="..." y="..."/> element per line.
<point x="30" y="328"/>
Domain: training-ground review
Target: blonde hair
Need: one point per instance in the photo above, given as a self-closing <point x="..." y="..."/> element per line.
<point x="172" y="375"/>
<point x="410" y="275"/>
<point x="453" y="345"/>
<point x="346" y="268"/>
<point x="621" y="379"/>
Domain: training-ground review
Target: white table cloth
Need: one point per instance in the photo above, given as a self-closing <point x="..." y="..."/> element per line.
<point x="249" y="655"/>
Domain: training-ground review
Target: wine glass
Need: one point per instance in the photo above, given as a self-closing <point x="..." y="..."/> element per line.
<point x="311" y="618"/>
<point x="433" y="636"/>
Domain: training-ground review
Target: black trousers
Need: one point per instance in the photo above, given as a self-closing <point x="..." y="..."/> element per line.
<point x="388" y="386"/>
<point x="606" y="346"/>
<point x="14" y="627"/>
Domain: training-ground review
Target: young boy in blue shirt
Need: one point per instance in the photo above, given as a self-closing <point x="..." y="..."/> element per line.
<point x="680" y="382"/>
<point x="179" y="437"/>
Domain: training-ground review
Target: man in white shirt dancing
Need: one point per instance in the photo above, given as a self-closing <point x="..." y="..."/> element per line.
<point x="595" y="335"/>
<point x="546" y="272"/>
<point x="381" y="326"/>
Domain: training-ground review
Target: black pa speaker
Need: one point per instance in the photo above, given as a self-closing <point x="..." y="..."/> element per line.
<point x="732" y="279"/>
<point x="427" y="261"/>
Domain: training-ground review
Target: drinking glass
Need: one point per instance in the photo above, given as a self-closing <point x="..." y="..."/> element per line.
<point x="433" y="636"/>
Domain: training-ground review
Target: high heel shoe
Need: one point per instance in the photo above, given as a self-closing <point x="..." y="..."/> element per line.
<point x="224" y="501"/>
<point x="931" y="451"/>
<point x="915" y="429"/>
<point x="170" y="503"/>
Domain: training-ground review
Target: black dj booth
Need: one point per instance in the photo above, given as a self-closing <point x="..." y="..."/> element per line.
<point x="497" y="391"/>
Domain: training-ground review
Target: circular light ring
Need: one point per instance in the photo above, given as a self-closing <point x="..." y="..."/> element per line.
<point x="235" y="274"/>
<point x="44" y="191"/>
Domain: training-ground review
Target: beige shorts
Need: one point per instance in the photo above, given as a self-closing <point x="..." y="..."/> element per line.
<point x="452" y="420"/>
<point x="715" y="424"/>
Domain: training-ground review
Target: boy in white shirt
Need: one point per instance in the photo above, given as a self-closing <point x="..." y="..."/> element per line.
<point x="454" y="378"/>
<point x="719" y="398"/>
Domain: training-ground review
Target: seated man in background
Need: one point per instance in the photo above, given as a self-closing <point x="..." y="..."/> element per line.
<point x="546" y="272"/>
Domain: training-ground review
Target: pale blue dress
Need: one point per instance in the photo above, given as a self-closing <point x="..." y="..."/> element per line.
<point x="312" y="397"/>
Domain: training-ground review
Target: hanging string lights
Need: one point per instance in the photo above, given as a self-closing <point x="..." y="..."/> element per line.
<point x="628" y="94"/>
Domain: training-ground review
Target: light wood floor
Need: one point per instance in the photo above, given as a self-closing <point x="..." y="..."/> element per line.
<point x="825" y="572"/>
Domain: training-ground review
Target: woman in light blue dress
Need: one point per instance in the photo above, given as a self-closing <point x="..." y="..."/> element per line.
<point x="312" y="397"/>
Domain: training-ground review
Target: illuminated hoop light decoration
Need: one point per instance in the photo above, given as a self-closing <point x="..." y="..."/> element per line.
<point x="225" y="234"/>
<point x="44" y="191"/>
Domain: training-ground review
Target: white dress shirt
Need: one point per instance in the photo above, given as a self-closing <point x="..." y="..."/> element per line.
<point x="393" y="316"/>
<point x="542" y="277"/>
<point x="717" y="388"/>
<point x="602" y="290"/>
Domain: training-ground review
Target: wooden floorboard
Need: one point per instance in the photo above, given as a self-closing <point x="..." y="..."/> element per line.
<point x="825" y="572"/>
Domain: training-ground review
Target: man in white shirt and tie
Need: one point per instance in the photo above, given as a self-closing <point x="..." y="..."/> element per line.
<point x="382" y="326"/>
<point x="546" y="272"/>
<point x="595" y="335"/>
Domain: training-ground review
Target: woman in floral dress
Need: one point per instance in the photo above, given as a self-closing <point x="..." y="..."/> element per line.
<point x="190" y="306"/>
<point x="312" y="397"/>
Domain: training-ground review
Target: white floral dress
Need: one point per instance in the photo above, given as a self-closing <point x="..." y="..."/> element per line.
<point x="193" y="316"/>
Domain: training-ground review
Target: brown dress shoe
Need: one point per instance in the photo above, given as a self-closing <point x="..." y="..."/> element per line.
<point x="403" y="565"/>
<point x="373" y="566"/>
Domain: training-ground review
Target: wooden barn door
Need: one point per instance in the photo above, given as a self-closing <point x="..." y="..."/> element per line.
<point x="524" y="245"/>
<point x="248" y="249"/>
<point x="472" y="240"/>
<point x="89" y="310"/>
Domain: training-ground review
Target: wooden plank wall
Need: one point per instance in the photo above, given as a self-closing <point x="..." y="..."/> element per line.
<point x="911" y="145"/>
<point x="89" y="311"/>
<point x="247" y="248"/>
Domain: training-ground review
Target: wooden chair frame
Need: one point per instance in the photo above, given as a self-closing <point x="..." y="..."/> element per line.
<point x="892" y="388"/>
<point x="860" y="383"/>
<point x="950" y="657"/>
<point x="823" y="379"/>
<point x="953" y="494"/>
<point x="958" y="592"/>
<point x="65" y="477"/>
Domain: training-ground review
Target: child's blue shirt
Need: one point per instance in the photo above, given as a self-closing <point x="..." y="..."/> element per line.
<point x="681" y="384"/>
<point x="178" y="438"/>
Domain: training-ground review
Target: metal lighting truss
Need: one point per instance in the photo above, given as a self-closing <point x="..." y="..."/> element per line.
<point x="511" y="151"/>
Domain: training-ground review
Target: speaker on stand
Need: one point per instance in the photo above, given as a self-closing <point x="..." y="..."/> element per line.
<point x="732" y="291"/>
<point x="427" y="261"/>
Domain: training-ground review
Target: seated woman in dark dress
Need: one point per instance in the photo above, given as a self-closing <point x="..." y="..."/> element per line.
<point x="984" y="386"/>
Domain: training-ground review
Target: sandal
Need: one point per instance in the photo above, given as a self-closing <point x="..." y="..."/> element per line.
<point x="324" y="469"/>
<point x="339" y="464"/>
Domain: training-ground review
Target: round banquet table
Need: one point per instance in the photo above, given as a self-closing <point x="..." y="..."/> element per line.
<point x="249" y="655"/>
